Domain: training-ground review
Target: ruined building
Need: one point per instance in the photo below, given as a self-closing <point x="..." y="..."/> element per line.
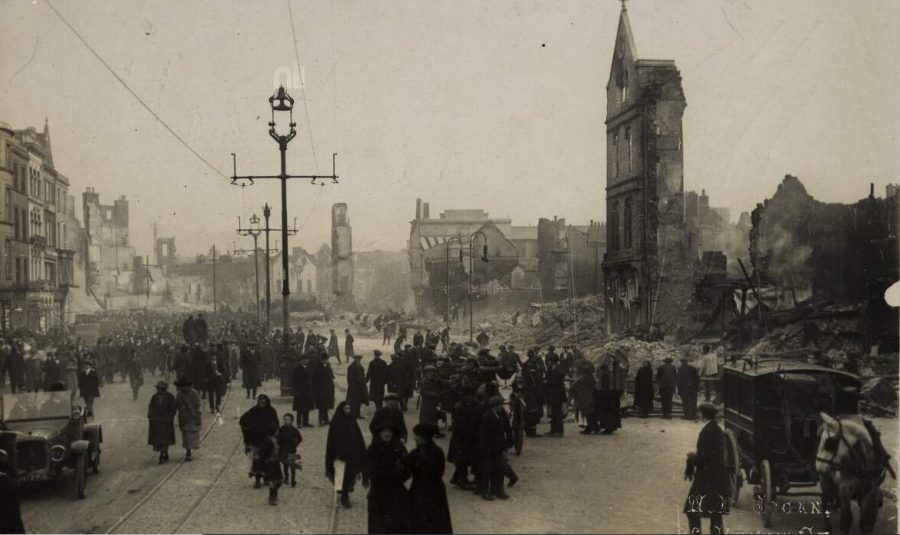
<point x="109" y="252"/>
<point x="804" y="251"/>
<point x="342" y="258"/>
<point x="646" y="268"/>
<point x="570" y="258"/>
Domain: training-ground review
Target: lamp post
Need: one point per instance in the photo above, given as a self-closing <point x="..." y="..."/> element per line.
<point x="484" y="258"/>
<point x="282" y="103"/>
<point x="253" y="231"/>
<point x="267" y="211"/>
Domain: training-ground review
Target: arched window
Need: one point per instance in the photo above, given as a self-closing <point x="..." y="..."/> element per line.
<point x="615" y="155"/>
<point x="627" y="223"/>
<point x="629" y="150"/>
<point x="614" y="227"/>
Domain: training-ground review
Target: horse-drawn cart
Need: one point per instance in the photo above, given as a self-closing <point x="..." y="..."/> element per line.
<point x="773" y="425"/>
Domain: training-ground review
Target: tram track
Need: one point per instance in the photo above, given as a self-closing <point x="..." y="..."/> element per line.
<point x="161" y="483"/>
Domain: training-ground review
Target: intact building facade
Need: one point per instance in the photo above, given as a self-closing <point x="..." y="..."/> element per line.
<point x="644" y="279"/>
<point x="38" y="231"/>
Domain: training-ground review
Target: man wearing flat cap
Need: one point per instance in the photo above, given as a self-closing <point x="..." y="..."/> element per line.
<point x="710" y="493"/>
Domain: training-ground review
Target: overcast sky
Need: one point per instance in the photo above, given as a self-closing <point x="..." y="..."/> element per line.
<point x="468" y="104"/>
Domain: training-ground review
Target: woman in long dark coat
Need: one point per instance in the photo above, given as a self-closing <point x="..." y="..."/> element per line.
<point x="323" y="385"/>
<point x="388" y="506"/>
<point x="710" y="494"/>
<point x="429" y="510"/>
<point x="345" y="443"/>
<point x="161" y="413"/>
<point x="258" y="424"/>
<point x="643" y="389"/>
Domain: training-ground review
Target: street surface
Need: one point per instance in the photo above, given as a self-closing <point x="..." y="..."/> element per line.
<point x="628" y="482"/>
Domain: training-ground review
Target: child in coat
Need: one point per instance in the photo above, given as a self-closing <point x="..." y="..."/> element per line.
<point x="288" y="439"/>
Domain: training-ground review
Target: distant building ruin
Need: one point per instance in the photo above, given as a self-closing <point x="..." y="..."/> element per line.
<point x="342" y="258"/>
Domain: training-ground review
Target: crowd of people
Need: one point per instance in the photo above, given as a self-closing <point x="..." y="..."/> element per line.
<point x="457" y="388"/>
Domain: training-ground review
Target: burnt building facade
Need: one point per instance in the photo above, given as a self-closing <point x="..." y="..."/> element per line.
<point x="342" y="258"/>
<point x="645" y="273"/>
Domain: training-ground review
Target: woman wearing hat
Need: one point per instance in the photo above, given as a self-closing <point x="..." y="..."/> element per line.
<point x="189" y="416"/>
<point x="429" y="510"/>
<point x="161" y="413"/>
<point x="710" y="494"/>
<point x="345" y="443"/>
<point x="388" y="506"/>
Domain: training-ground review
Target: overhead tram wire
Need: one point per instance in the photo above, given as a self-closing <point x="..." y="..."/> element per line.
<point x="312" y="144"/>
<point x="135" y="95"/>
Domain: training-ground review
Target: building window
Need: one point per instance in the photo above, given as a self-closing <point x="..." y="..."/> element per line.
<point x="627" y="223"/>
<point x="615" y="155"/>
<point x="628" y="147"/>
<point x="614" y="227"/>
<point x="9" y="260"/>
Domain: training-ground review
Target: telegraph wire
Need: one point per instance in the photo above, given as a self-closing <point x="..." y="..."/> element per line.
<point x="312" y="144"/>
<point x="135" y="95"/>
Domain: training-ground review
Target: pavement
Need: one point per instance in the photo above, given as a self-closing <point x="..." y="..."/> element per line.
<point x="628" y="482"/>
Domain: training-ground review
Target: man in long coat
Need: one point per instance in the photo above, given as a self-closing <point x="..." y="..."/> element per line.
<point x="304" y="396"/>
<point x="187" y="402"/>
<point x="201" y="329"/>
<point x="555" y="386"/>
<point x="161" y="414"/>
<point x="643" y="389"/>
<point x="398" y="380"/>
<point x="250" y="369"/>
<point x="688" y="379"/>
<point x="377" y="378"/>
<point x="89" y="386"/>
<point x="665" y="379"/>
<point x="348" y="344"/>
<point x="187" y="330"/>
<point x="323" y="384"/>
<point x="710" y="493"/>
<point x="334" y="349"/>
<point x="356" y="386"/>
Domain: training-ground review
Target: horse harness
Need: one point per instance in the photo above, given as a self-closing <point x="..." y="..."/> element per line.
<point x="854" y="465"/>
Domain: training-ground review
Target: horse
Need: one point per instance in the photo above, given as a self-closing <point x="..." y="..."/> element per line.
<point x="851" y="464"/>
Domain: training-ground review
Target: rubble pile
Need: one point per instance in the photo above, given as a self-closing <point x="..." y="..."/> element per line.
<point x="568" y="322"/>
<point x="634" y="351"/>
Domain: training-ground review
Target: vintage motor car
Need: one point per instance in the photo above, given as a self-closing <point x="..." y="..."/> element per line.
<point x="43" y="433"/>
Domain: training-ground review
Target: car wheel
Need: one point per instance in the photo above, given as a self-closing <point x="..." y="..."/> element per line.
<point x="81" y="475"/>
<point x="95" y="461"/>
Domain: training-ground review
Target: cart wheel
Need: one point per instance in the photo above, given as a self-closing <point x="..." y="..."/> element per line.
<point x="766" y="494"/>
<point x="80" y="475"/>
<point x="734" y="466"/>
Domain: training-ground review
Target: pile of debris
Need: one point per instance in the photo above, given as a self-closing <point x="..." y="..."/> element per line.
<point x="635" y="352"/>
<point x="571" y="321"/>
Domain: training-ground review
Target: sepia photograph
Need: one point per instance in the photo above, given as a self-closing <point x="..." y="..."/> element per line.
<point x="449" y="266"/>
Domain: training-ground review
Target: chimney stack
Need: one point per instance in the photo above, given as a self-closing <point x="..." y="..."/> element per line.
<point x="871" y="190"/>
<point x="418" y="208"/>
<point x="425" y="212"/>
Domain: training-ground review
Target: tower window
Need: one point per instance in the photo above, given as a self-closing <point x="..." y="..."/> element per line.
<point x="627" y="223"/>
<point x="629" y="148"/>
<point x="615" y="155"/>
<point x="614" y="227"/>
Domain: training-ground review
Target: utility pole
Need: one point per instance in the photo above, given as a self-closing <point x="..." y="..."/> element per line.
<point x="253" y="231"/>
<point x="214" y="262"/>
<point x="484" y="258"/>
<point x="267" y="211"/>
<point x="282" y="102"/>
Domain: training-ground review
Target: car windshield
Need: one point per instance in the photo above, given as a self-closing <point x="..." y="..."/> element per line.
<point x="37" y="405"/>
